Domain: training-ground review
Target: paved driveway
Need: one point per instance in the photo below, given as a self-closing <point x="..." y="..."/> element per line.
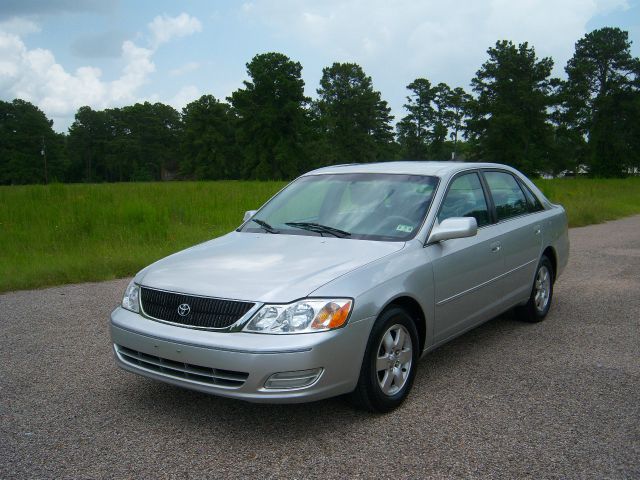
<point x="558" y="399"/>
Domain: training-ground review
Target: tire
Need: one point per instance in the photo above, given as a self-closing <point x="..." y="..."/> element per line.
<point x="385" y="389"/>
<point x="536" y="309"/>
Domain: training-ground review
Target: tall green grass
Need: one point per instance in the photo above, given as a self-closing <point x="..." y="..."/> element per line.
<point x="73" y="233"/>
<point x="590" y="201"/>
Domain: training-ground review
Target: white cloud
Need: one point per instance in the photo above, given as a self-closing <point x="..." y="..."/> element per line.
<point x="164" y="28"/>
<point x="19" y="26"/>
<point x="396" y="42"/>
<point x="185" y="95"/>
<point x="35" y="75"/>
<point x="184" y="69"/>
<point x="138" y="66"/>
<point x="429" y="34"/>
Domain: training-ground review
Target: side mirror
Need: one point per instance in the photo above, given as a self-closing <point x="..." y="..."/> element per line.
<point x="248" y="214"/>
<point x="455" y="227"/>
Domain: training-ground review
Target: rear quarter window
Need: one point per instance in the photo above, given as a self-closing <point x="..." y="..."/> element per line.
<point x="508" y="197"/>
<point x="532" y="201"/>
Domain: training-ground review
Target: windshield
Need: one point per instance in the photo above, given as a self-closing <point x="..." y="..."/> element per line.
<point x="357" y="205"/>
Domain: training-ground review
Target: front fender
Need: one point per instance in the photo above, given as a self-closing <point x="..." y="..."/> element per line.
<point x="407" y="273"/>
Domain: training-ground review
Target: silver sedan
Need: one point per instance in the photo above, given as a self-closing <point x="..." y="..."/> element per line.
<point x="342" y="281"/>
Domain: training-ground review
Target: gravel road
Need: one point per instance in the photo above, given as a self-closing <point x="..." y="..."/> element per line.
<point x="559" y="399"/>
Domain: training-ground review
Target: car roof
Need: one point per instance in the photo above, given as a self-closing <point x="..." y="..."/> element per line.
<point x="437" y="169"/>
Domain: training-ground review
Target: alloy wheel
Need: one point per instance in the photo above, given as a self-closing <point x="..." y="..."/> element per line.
<point x="542" y="288"/>
<point x="394" y="358"/>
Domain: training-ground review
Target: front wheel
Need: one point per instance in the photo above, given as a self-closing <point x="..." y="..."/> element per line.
<point x="389" y="364"/>
<point x="536" y="309"/>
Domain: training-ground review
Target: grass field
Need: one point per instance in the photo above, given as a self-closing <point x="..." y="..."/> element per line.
<point x="58" y="234"/>
<point x="590" y="201"/>
<point x="73" y="233"/>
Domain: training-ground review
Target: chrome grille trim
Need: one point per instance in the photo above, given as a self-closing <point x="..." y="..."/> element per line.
<point x="182" y="371"/>
<point x="208" y="313"/>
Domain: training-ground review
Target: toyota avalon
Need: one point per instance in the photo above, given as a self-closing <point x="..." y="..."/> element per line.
<point x="342" y="281"/>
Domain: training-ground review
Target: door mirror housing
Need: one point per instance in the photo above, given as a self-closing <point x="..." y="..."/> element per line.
<point x="455" y="227"/>
<point x="248" y="214"/>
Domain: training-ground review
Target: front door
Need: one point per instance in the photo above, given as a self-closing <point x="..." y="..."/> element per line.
<point x="466" y="270"/>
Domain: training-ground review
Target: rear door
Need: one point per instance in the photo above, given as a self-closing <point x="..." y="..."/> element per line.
<point x="466" y="269"/>
<point x="521" y="241"/>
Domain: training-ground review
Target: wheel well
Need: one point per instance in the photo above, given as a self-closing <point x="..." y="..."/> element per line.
<point x="416" y="313"/>
<point x="550" y="253"/>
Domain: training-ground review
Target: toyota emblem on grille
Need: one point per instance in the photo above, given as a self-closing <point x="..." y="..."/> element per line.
<point x="184" y="309"/>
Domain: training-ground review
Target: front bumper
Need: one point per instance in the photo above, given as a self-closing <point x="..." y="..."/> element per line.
<point x="338" y="353"/>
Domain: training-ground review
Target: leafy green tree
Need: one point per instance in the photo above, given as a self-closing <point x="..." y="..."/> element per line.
<point x="383" y="137"/>
<point x="160" y="136"/>
<point x="441" y="122"/>
<point x="415" y="129"/>
<point x="353" y="121"/>
<point x="209" y="149"/>
<point x="147" y="139"/>
<point x="569" y="145"/>
<point x="30" y="151"/>
<point x="87" y="140"/>
<point x="434" y="112"/>
<point x="136" y="142"/>
<point x="453" y="105"/>
<point x="124" y="150"/>
<point x="272" y="120"/>
<point x="600" y="99"/>
<point x="509" y="118"/>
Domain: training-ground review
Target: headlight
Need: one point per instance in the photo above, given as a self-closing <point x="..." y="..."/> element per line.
<point x="131" y="299"/>
<point x="304" y="316"/>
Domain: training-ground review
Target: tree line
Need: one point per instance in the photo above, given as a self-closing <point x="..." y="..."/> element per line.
<point x="516" y="114"/>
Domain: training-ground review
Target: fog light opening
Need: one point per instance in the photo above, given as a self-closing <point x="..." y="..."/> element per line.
<point x="297" y="379"/>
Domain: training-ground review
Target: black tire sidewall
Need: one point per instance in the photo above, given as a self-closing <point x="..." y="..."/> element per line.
<point x="378" y="400"/>
<point x="534" y="313"/>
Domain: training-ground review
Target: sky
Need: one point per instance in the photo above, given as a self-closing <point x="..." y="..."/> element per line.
<point x="63" y="54"/>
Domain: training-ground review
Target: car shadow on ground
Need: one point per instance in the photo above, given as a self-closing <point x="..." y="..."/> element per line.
<point x="195" y="410"/>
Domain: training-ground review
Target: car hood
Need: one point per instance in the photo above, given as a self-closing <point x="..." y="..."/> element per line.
<point x="262" y="267"/>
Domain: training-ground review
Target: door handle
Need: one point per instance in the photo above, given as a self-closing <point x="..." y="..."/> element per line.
<point x="495" y="247"/>
<point x="536" y="229"/>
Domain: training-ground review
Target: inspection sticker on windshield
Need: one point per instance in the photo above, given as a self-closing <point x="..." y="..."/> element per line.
<point x="404" y="228"/>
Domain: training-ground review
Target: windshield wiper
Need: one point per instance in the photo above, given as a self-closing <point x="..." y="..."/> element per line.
<point x="319" y="228"/>
<point x="266" y="227"/>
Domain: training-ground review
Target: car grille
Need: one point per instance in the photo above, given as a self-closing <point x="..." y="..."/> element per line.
<point x="204" y="312"/>
<point x="183" y="371"/>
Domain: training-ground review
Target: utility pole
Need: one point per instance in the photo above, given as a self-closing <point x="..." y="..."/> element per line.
<point x="43" y="152"/>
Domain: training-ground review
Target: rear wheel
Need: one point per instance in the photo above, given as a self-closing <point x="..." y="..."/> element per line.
<point x="539" y="303"/>
<point x="389" y="363"/>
